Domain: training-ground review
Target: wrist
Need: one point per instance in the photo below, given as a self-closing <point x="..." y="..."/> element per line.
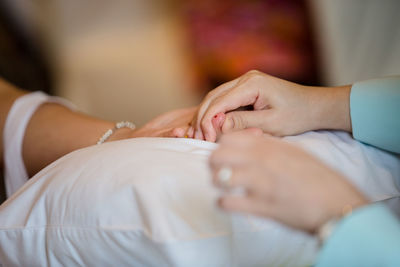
<point x="331" y="108"/>
<point x="121" y="130"/>
<point x="123" y="133"/>
<point x="343" y="206"/>
<point x="325" y="230"/>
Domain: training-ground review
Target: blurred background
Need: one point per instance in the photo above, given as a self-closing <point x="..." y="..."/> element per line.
<point x="134" y="59"/>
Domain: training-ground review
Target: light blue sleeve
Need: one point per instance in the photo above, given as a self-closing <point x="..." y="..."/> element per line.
<point x="368" y="237"/>
<point x="375" y="112"/>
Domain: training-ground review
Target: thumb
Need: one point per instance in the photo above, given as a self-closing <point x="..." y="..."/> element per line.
<point x="240" y="120"/>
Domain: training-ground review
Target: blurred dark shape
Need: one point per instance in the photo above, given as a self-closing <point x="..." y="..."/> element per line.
<point x="21" y="63"/>
<point x="21" y="60"/>
<point x="231" y="37"/>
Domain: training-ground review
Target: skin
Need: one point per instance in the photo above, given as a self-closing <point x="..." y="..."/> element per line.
<point x="281" y="181"/>
<point x="280" y="107"/>
<point x="305" y="192"/>
<point x="54" y="130"/>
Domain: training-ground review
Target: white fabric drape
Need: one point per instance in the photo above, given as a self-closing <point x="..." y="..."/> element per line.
<point x="14" y="132"/>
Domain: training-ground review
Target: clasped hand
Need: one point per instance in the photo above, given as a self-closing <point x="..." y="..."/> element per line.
<point x="280" y="107"/>
<point x="281" y="180"/>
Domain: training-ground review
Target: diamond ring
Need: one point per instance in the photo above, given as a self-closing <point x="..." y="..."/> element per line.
<point x="224" y="176"/>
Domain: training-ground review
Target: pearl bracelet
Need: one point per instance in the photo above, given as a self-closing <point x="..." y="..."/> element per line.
<point x="118" y="125"/>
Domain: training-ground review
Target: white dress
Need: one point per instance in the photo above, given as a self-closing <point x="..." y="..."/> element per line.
<point x="14" y="130"/>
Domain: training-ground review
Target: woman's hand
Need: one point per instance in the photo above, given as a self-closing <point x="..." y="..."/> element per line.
<point x="170" y="124"/>
<point x="281" y="182"/>
<point x="279" y="107"/>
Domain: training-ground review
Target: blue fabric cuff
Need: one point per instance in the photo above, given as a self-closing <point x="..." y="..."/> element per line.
<point x="375" y="112"/>
<point x="370" y="236"/>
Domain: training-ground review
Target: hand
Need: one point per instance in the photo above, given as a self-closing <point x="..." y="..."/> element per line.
<point x="170" y="124"/>
<point x="280" y="107"/>
<point x="281" y="182"/>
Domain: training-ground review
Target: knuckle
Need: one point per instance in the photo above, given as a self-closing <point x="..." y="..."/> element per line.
<point x="273" y="130"/>
<point x="271" y="126"/>
<point x="238" y="122"/>
<point x="255" y="75"/>
<point x="203" y="124"/>
<point x="210" y="95"/>
<point x="253" y="72"/>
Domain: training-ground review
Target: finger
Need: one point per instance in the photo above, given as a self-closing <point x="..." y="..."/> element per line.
<point x="240" y="120"/>
<point x="190" y="132"/>
<point x="241" y="139"/>
<point x="178" y="132"/>
<point x="209" y="98"/>
<point x="244" y="204"/>
<point x="218" y="121"/>
<point x="240" y="96"/>
<point x="234" y="179"/>
<point x="256" y="132"/>
<point x="173" y="132"/>
<point x="248" y="142"/>
<point x="198" y="135"/>
<point x="229" y="156"/>
<point x="163" y="133"/>
<point x="256" y="181"/>
<point x="172" y="118"/>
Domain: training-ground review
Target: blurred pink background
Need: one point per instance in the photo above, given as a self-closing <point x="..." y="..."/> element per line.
<point x="134" y="59"/>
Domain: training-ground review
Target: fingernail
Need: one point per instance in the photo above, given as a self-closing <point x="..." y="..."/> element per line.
<point x="216" y="123"/>
<point x="221" y="119"/>
<point x="190" y="131"/>
<point x="197" y="135"/>
<point x="201" y="137"/>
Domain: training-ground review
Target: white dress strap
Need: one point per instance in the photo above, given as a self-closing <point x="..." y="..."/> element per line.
<point x="24" y="107"/>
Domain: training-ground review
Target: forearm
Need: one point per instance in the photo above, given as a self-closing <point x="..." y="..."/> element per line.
<point x="55" y="130"/>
